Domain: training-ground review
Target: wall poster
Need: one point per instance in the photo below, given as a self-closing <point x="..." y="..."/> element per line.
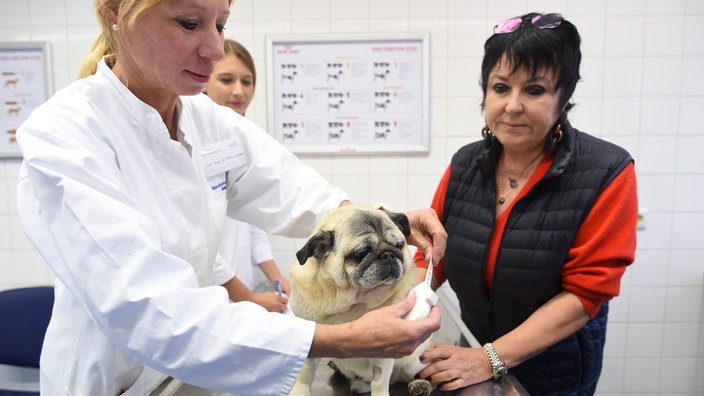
<point x="363" y="93"/>
<point x="25" y="83"/>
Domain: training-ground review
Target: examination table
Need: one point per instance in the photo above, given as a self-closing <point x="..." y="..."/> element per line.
<point x="452" y="331"/>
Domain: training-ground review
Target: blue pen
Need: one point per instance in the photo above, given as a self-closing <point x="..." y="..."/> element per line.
<point x="278" y="286"/>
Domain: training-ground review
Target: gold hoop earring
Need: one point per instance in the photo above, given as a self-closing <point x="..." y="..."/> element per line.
<point x="556" y="138"/>
<point x="557" y="134"/>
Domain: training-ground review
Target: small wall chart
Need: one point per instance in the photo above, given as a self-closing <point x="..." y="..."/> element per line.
<point x="24" y="85"/>
<point x="349" y="93"/>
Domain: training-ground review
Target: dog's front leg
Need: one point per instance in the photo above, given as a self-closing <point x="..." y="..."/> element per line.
<point x="305" y="378"/>
<point x="383" y="368"/>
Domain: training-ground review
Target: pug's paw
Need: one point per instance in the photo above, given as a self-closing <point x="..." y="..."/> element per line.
<point x="420" y="387"/>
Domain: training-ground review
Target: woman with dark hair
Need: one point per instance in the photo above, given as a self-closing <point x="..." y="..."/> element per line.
<point x="541" y="222"/>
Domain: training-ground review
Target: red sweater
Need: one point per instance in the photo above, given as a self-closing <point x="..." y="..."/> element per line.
<point x="604" y="244"/>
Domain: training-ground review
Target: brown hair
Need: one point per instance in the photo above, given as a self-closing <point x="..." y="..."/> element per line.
<point x="238" y="50"/>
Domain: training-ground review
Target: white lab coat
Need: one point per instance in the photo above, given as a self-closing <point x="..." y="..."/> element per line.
<point x="130" y="223"/>
<point x="244" y="247"/>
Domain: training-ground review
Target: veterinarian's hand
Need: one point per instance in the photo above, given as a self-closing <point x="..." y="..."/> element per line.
<point x="271" y="301"/>
<point x="427" y="233"/>
<point x="391" y="336"/>
<point x="381" y="333"/>
<point x="453" y="367"/>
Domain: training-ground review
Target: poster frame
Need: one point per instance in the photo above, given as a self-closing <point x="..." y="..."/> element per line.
<point x="12" y="150"/>
<point x="421" y="142"/>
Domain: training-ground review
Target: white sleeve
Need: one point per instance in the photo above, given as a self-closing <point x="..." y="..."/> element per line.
<point x="261" y="248"/>
<point x="222" y="272"/>
<point x="278" y="192"/>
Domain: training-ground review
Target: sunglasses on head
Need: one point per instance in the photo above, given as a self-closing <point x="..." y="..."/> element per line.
<point x="541" y="21"/>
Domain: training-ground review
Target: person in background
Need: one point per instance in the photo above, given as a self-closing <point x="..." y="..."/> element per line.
<point x="541" y="222"/>
<point x="243" y="245"/>
<point x="127" y="176"/>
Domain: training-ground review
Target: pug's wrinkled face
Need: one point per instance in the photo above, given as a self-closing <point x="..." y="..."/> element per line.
<point x="360" y="248"/>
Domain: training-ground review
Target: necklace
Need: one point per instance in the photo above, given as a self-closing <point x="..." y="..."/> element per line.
<point x="513" y="182"/>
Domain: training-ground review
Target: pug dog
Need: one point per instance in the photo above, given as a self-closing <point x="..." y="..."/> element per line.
<point x="356" y="260"/>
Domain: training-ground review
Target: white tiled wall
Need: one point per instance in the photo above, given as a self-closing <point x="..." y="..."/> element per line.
<point x="643" y="88"/>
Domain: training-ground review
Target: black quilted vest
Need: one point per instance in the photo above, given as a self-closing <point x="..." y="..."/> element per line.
<point x="534" y="247"/>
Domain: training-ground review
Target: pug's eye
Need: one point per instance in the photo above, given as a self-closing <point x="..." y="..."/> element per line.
<point x="359" y="254"/>
<point x="400" y="244"/>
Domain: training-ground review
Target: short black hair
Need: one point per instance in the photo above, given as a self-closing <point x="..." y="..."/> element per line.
<point x="531" y="48"/>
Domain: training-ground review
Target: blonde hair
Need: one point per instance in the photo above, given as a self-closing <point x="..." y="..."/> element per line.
<point x="127" y="12"/>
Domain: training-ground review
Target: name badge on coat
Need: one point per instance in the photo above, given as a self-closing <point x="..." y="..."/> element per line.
<point x="219" y="158"/>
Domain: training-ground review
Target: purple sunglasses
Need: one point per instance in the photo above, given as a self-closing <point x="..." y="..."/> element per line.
<point x="541" y="21"/>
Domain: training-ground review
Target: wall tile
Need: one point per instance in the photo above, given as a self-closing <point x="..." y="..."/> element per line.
<point x="660" y="76"/>
<point x="687" y="267"/>
<point x="309" y="9"/>
<point x="80" y="12"/>
<point x="684" y="304"/>
<point x="427" y="9"/>
<point x="692" y="81"/>
<point x="642" y="375"/>
<point x="344" y="9"/>
<point x="664" y="35"/>
<point x="577" y="8"/>
<point x="647" y="305"/>
<point x="464" y="8"/>
<point x="612" y="377"/>
<point x="659" y="115"/>
<point x="464" y="72"/>
<point x="689" y="118"/>
<point x="658" y="155"/>
<point x="14" y="14"/>
<point x="389" y="8"/>
<point x="694" y="28"/>
<point x="689" y="154"/>
<point x="625" y="36"/>
<point x="650" y="268"/>
<point x="621" y="115"/>
<point x="687" y="230"/>
<point x="656" y="192"/>
<point x="272" y="9"/>
<point x="658" y="7"/>
<point x="625" y="7"/>
<point x="689" y="192"/>
<point x="43" y="13"/>
<point x="679" y="375"/>
<point x="623" y="76"/>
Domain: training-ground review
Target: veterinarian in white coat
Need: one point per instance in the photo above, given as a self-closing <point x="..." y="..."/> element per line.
<point x="123" y="190"/>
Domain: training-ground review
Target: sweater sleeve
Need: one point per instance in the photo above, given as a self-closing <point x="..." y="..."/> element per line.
<point x="604" y="245"/>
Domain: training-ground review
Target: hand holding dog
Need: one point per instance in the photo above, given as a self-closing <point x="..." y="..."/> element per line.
<point x="380" y="333"/>
<point x="427" y="233"/>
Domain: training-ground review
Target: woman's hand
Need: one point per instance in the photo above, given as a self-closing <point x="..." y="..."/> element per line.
<point x="271" y="301"/>
<point x="453" y="367"/>
<point x="427" y="233"/>
<point x="382" y="333"/>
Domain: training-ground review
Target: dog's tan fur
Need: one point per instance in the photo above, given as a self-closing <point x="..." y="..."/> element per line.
<point x="330" y="288"/>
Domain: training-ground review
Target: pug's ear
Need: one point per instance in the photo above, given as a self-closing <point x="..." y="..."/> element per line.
<point x="318" y="246"/>
<point x="401" y="221"/>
